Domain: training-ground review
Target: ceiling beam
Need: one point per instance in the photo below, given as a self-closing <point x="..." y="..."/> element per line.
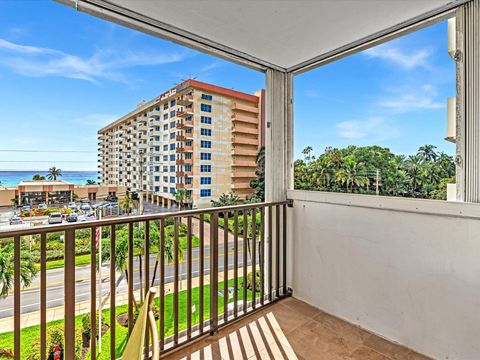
<point x="114" y="13"/>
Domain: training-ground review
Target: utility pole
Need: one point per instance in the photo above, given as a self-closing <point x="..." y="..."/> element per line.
<point x="377" y="187"/>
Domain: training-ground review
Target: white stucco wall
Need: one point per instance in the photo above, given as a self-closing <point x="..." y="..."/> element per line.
<point x="392" y="267"/>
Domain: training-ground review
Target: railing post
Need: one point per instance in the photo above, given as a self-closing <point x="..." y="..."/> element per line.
<point x="214" y="274"/>
<point x="69" y="288"/>
<point x="16" y="297"/>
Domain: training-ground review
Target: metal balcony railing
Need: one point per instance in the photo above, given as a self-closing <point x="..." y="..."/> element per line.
<point x="217" y="290"/>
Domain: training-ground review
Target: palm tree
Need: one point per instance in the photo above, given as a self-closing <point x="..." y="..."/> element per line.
<point x="91" y="182"/>
<point x="28" y="270"/>
<point x="169" y="254"/>
<point x="307" y="153"/>
<point x="351" y="175"/>
<point x="180" y="197"/>
<point x="127" y="204"/>
<point x="427" y="152"/>
<point x="38" y="177"/>
<point x="54" y="173"/>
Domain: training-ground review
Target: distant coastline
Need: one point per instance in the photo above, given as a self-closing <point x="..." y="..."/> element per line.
<point x="12" y="178"/>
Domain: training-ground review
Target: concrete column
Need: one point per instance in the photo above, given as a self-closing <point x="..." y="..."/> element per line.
<point x="278" y="135"/>
<point x="169" y="203"/>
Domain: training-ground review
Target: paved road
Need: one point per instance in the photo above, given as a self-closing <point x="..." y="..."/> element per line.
<point x="30" y="298"/>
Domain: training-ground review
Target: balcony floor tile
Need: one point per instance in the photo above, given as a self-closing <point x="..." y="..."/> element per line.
<point x="291" y="330"/>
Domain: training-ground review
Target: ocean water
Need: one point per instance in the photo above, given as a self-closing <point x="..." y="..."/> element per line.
<point x="12" y="178"/>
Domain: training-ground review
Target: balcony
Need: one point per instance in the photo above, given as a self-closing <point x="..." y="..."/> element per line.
<point x="237" y="129"/>
<point x="184" y="161"/>
<point x="185" y="149"/>
<point x="184" y="186"/>
<point x="179" y="173"/>
<point x="238" y="118"/>
<point x="245" y="108"/>
<point x="243" y="151"/>
<point x="241" y="140"/>
<point x="244" y="174"/>
<point x="185" y="112"/>
<point x="185" y="100"/>
<point x="184" y="124"/>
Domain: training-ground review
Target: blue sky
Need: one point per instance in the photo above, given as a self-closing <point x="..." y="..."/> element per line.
<point x="65" y="74"/>
<point x="392" y="95"/>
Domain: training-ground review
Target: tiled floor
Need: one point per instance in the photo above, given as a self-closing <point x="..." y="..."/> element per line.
<point x="292" y="329"/>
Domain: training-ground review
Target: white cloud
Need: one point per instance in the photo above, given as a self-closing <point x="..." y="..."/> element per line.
<point x="103" y="64"/>
<point x="96" y="120"/>
<point x="407" y="60"/>
<point x="375" y="128"/>
<point x="412" y="98"/>
<point x="311" y="93"/>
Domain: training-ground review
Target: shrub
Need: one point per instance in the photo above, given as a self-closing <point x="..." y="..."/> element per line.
<point x="6" y="353"/>
<point x="55" y="344"/>
<point x="87" y="322"/>
<point x="258" y="283"/>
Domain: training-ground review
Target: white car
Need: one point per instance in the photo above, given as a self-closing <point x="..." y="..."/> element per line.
<point x="55" y="218"/>
<point x="85" y="207"/>
<point x="73" y="206"/>
<point x="42" y="207"/>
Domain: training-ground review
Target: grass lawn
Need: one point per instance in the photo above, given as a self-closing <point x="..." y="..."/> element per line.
<point x="81" y="260"/>
<point x="31" y="335"/>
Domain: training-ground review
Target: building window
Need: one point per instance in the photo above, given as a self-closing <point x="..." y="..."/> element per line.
<point x="165" y="127"/>
<point x="172" y="146"/>
<point x="205" y="192"/>
<point x="206" y="132"/>
<point x="172" y="179"/>
<point x="165" y="157"/>
<point x="206" y="97"/>
<point x="172" y="113"/>
<point x="188" y="155"/>
<point x="205" y="156"/>
<point x="157" y="178"/>
<point x="205" y="180"/>
<point x="172" y="136"/>
<point x="206" y="108"/>
<point x="172" y="124"/>
<point x="172" y="156"/>
<point x="188" y="118"/>
<point x="206" y="144"/>
<point x="189" y="130"/>
<point x="157" y="188"/>
<point x="188" y="167"/>
<point x="165" y="189"/>
<point x="172" y="190"/>
<point x="165" y="168"/>
<point x="172" y="103"/>
<point x="188" y="180"/>
<point x="205" y="168"/>
<point x="165" y="116"/>
<point x="165" y="147"/>
<point x="172" y="168"/>
<point x="165" y="106"/>
<point x="206" y="120"/>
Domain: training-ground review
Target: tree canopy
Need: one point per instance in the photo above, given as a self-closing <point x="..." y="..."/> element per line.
<point x="374" y="169"/>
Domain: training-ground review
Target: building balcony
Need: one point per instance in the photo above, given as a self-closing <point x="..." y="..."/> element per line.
<point x="185" y="100"/>
<point x="244" y="140"/>
<point x="244" y="163"/>
<point x="245" y="108"/>
<point x="179" y="173"/>
<point x="239" y="118"/>
<point x="185" y="112"/>
<point x="184" y="124"/>
<point x="153" y="114"/>
<point x="241" y="185"/>
<point x="244" y="174"/>
<point x="238" y="129"/>
<point x="185" y="149"/>
<point x="242" y="151"/>
<point x="184" y="186"/>
<point x="184" y="161"/>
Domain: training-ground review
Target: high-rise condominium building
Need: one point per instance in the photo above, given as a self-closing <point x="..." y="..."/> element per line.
<point x="198" y="137"/>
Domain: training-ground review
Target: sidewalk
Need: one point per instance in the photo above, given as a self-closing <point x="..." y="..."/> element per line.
<point x="58" y="313"/>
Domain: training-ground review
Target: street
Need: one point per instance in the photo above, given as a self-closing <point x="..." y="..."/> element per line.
<point x="30" y="298"/>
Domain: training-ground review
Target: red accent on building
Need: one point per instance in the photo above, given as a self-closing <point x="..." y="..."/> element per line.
<point x="217" y="89"/>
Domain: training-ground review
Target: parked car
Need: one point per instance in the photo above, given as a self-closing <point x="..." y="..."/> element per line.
<point x="85" y="201"/>
<point x="112" y="198"/>
<point x="55" y="218"/>
<point x="26" y="207"/>
<point x="42" y="207"/>
<point x="72" y="217"/>
<point x="16" y="220"/>
<point x="85" y="207"/>
<point x="73" y="206"/>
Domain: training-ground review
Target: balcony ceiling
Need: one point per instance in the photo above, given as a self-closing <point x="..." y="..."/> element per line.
<point x="279" y="32"/>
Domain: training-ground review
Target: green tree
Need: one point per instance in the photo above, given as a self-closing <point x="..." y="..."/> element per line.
<point x="258" y="185"/>
<point x="307" y="153"/>
<point x="229" y="199"/>
<point x="28" y="270"/>
<point x="54" y="173"/>
<point x="91" y="182"/>
<point x="180" y="197"/>
<point x="38" y="177"/>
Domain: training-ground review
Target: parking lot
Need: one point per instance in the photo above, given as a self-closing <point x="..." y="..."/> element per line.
<point x="111" y="210"/>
